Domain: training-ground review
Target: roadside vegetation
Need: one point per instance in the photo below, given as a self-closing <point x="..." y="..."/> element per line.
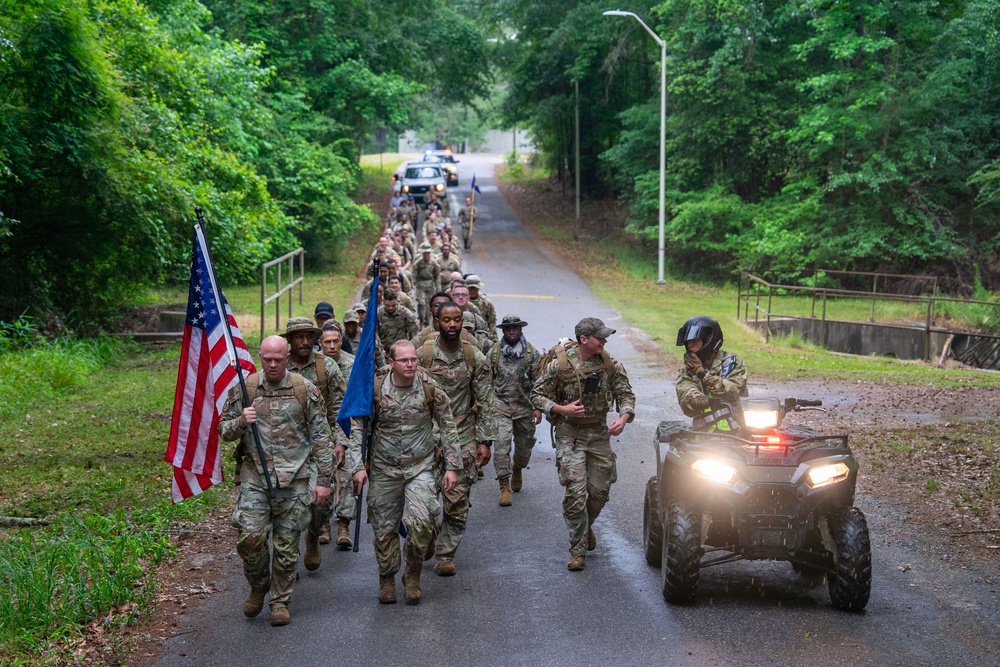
<point x="86" y="423"/>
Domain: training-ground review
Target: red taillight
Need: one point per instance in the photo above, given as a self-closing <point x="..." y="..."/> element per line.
<point x="773" y="440"/>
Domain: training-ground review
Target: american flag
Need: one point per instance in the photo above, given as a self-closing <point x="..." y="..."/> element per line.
<point x="205" y="375"/>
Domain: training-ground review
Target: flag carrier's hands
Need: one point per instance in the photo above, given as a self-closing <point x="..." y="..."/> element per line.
<point x="360" y="479"/>
<point x="248" y="416"/>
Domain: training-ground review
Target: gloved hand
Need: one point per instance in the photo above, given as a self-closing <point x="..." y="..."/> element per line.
<point x="701" y="402"/>
<point x="692" y="363"/>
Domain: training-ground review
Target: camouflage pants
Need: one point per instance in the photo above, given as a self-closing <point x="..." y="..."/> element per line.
<point x="393" y="497"/>
<point x="456" y="508"/>
<point x="283" y="519"/>
<point x="424" y="293"/>
<point x="346" y="504"/>
<point x="522" y="430"/>
<point x="587" y="469"/>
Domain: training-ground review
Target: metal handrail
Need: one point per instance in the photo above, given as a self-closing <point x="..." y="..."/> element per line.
<point x="276" y="297"/>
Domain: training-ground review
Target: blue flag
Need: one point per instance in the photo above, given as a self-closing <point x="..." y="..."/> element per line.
<point x="361" y="386"/>
<point x="475" y="187"/>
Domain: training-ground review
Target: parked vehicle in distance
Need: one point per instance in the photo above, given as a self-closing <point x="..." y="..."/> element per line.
<point x="419" y="177"/>
<point x="447" y="162"/>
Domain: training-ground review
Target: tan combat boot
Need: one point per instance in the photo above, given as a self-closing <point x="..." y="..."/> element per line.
<point x="505" y="499"/>
<point x="324" y="534"/>
<point x="280" y="615"/>
<point x="576" y="563"/>
<point x="515" y="479"/>
<point x="446" y="567"/>
<point x="387" y="589"/>
<point x="411" y="582"/>
<point x="344" y="534"/>
<point x="591" y="540"/>
<point x="254" y="603"/>
<point x="313" y="558"/>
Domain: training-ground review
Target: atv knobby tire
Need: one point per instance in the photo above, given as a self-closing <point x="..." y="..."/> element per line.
<point x="682" y="551"/>
<point x="851" y="584"/>
<point x="652" y="528"/>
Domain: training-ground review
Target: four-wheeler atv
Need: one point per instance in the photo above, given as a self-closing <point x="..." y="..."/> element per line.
<point x="760" y="492"/>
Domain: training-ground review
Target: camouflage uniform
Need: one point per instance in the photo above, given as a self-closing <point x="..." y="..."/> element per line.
<point x="471" y="399"/>
<point x="727" y="378"/>
<point x="427" y="275"/>
<point x="487" y="310"/>
<point x="399" y="325"/>
<point x="465" y="216"/>
<point x="298" y="451"/>
<point x="404" y="468"/>
<point x="448" y="266"/>
<point x="379" y="353"/>
<point x="584" y="458"/>
<point x="513" y="377"/>
<point x="345" y="506"/>
<point x="335" y="388"/>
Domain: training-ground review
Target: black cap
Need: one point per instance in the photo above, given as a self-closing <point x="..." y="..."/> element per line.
<point x="324" y="308"/>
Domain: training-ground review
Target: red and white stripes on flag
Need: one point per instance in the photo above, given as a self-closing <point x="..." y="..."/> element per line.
<point x="204" y="377"/>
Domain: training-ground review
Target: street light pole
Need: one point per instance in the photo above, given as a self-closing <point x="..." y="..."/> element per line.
<point x="663" y="127"/>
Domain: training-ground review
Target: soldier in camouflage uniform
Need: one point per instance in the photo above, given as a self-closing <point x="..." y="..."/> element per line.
<point x="409" y="409"/>
<point x="576" y="390"/>
<point x="466" y="217"/>
<point x="405" y="300"/>
<point x="431" y="332"/>
<point x="464" y="374"/>
<point x="709" y="372"/>
<point x="344" y="506"/>
<point x="476" y="296"/>
<point x="460" y="295"/>
<point x="302" y="359"/>
<point x="394" y="321"/>
<point x="513" y="362"/>
<point x="450" y="263"/>
<point x="353" y="321"/>
<point x="427" y="274"/>
<point x="298" y="451"/>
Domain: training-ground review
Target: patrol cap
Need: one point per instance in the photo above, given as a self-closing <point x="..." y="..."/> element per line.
<point x="511" y="321"/>
<point x="469" y="321"/>
<point x="360" y="307"/>
<point x="351" y="316"/>
<point x="474" y="281"/>
<point x="591" y="326"/>
<point x="425" y="247"/>
<point x="324" y="308"/>
<point x="300" y="324"/>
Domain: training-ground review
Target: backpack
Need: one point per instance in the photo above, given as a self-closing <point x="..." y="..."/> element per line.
<point x="567" y="373"/>
<point x="426" y="383"/>
<point x="468" y="349"/>
<point x="253" y="384"/>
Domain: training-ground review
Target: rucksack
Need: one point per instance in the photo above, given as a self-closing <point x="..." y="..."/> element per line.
<point x="298" y="388"/>
<point x="567" y="373"/>
<point x="468" y="350"/>
<point x="426" y="383"/>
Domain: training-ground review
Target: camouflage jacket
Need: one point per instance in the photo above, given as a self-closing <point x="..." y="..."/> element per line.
<point x="470" y="395"/>
<point x="565" y="385"/>
<point x="513" y="378"/>
<point x="466" y="213"/>
<point x="448" y="266"/>
<point x="487" y="310"/>
<point x="336" y="386"/>
<point x="399" y="325"/>
<point x="727" y="378"/>
<point x="379" y="353"/>
<point x="405" y="425"/>
<point x="346" y="363"/>
<point x="297" y="443"/>
<point x="426" y="271"/>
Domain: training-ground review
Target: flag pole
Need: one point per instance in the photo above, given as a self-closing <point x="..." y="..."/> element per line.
<point x="231" y="350"/>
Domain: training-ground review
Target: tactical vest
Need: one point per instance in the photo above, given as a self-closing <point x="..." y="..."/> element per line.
<point x="597" y="404"/>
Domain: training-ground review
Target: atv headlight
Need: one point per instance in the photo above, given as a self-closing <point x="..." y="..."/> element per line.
<point x="760" y="418"/>
<point x="828" y="474"/>
<point x="714" y="471"/>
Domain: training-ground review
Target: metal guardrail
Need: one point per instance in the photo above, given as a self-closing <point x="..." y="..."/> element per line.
<point x="276" y="297"/>
<point x="757" y="287"/>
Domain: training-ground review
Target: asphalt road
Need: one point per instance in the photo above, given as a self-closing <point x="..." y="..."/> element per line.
<point x="513" y="601"/>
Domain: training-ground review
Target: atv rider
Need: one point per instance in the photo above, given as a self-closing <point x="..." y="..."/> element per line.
<point x="709" y="372"/>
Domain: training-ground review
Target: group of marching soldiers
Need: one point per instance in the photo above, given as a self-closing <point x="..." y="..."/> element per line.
<point x="447" y="399"/>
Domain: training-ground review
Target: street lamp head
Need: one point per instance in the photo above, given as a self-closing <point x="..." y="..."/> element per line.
<point x="616" y="12"/>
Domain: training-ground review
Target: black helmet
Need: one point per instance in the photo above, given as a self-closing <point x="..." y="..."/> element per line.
<point x="704" y="328"/>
